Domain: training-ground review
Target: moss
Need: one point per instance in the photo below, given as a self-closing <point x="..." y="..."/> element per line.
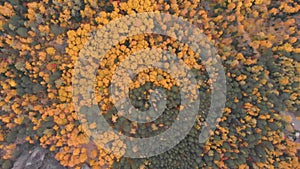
<point x="23" y="32"/>
<point x="7" y="164"/>
<point x="11" y="136"/>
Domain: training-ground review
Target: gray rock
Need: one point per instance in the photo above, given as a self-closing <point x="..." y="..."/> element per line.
<point x="36" y="159"/>
<point x="21" y="161"/>
<point x="296" y="125"/>
<point x="51" y="163"/>
<point x="85" y="166"/>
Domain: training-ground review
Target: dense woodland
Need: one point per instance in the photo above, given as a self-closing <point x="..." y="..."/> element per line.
<point x="257" y="42"/>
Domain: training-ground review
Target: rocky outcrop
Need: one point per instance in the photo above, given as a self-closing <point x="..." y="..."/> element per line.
<point x="37" y="158"/>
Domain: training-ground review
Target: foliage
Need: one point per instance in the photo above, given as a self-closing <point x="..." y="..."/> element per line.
<point x="257" y="41"/>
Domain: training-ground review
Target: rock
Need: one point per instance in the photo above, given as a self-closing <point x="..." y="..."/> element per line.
<point x="21" y="161"/>
<point x="36" y="158"/>
<point x="85" y="166"/>
<point x="296" y="125"/>
<point x="51" y="163"/>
